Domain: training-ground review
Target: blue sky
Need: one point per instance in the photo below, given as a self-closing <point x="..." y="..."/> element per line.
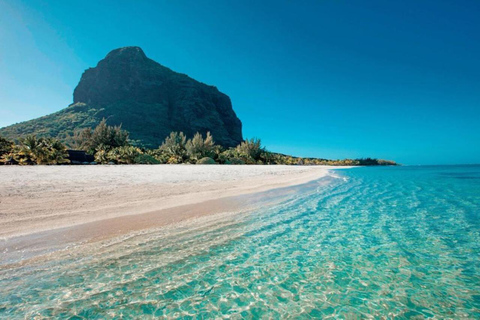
<point x="334" y="79"/>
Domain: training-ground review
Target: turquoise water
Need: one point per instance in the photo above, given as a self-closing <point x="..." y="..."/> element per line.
<point x="374" y="242"/>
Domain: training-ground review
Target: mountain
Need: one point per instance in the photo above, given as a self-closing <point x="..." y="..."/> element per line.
<point x="146" y="98"/>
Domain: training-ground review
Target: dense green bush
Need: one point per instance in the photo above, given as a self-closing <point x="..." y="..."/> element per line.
<point x="206" y="160"/>
<point x="225" y="156"/>
<point x="159" y="155"/>
<point x="198" y="148"/>
<point x="250" y="150"/>
<point x="124" y="154"/>
<point x="119" y="155"/>
<point x="103" y="137"/>
<point x="101" y="156"/>
<point x="235" y="161"/>
<point x="146" y="159"/>
<point x="175" y="145"/>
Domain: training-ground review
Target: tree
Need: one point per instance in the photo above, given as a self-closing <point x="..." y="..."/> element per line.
<point x="250" y="150"/>
<point x="103" y="137"/>
<point x="198" y="148"/>
<point x="58" y="152"/>
<point x="6" y="148"/>
<point x="175" y="145"/>
<point x="40" y="151"/>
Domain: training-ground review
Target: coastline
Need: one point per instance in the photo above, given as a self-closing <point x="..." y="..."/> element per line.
<point x="45" y="198"/>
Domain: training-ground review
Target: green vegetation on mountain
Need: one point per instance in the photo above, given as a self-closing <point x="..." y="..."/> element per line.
<point x="61" y="124"/>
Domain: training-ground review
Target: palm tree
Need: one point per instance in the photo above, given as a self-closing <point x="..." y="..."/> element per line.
<point x="58" y="152"/>
<point x="6" y="148"/>
<point x="41" y="151"/>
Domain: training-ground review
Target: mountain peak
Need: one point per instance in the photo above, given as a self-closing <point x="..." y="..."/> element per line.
<point x="129" y="53"/>
<point x="146" y="98"/>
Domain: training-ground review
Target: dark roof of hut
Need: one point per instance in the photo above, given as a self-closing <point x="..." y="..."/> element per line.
<point x="79" y="156"/>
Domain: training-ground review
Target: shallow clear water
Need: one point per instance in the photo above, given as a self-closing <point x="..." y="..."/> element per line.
<point x="394" y="242"/>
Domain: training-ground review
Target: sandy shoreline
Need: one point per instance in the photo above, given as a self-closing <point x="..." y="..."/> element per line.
<point x="40" y="198"/>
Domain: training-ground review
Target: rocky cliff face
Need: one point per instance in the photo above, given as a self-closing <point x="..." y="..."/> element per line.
<point x="153" y="97"/>
<point x="148" y="99"/>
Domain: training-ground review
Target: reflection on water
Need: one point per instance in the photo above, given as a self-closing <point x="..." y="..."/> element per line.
<point x="393" y="242"/>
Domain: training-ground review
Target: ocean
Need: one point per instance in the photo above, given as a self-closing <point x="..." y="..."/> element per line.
<point x="370" y="242"/>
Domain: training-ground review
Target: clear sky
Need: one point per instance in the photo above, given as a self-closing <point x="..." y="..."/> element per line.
<point x="389" y="79"/>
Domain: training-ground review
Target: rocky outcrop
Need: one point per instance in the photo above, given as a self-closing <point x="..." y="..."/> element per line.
<point x="156" y="99"/>
<point x="148" y="99"/>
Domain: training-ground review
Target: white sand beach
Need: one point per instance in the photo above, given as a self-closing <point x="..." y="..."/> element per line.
<point x="40" y="198"/>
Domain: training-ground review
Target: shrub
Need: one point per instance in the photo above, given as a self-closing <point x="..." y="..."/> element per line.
<point x="175" y="160"/>
<point x="267" y="157"/>
<point x="124" y="155"/>
<point x="159" y="155"/>
<point x="206" y="160"/>
<point x="120" y="155"/>
<point x="146" y="159"/>
<point x="227" y="155"/>
<point x="236" y="161"/>
<point x="101" y="156"/>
